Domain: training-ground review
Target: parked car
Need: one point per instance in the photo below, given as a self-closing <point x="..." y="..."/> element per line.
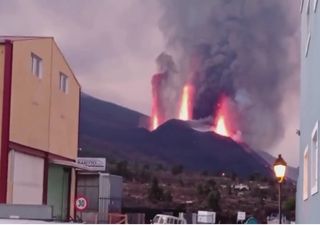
<point x="166" y="219"/>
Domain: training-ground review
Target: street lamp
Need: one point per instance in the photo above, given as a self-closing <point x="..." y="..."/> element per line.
<point x="279" y="167"/>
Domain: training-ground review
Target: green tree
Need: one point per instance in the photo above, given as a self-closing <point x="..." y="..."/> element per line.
<point x="122" y="169"/>
<point x="289" y="208"/>
<point x="207" y="189"/>
<point x="155" y="192"/>
<point x="200" y="189"/>
<point x="290" y="204"/>
<point x="213" y="200"/>
<point x="144" y="175"/>
<point x="167" y="196"/>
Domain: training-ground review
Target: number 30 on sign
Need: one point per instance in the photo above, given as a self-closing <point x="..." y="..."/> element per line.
<point x="81" y="203"/>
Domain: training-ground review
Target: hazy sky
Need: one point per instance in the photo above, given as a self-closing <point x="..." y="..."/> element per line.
<point x="111" y="46"/>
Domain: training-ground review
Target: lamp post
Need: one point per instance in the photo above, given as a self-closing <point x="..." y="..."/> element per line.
<point x="279" y="167"/>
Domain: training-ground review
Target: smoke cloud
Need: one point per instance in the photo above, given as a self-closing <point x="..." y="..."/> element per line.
<point x="241" y="49"/>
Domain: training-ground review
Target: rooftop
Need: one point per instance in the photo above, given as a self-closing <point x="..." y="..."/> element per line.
<point x="18" y="38"/>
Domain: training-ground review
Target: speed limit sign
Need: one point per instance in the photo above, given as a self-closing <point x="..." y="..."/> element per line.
<point x="81" y="203"/>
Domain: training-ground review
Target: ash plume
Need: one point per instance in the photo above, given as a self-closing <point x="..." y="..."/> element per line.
<point x="242" y="49"/>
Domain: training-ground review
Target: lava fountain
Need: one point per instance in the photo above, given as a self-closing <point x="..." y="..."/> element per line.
<point x="158" y="110"/>
<point x="220" y="121"/>
<point x="185" y="112"/>
<point x="221" y="126"/>
<point x="154" y="122"/>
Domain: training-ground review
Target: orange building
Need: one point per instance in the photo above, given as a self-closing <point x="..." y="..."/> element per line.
<point x="39" y="117"/>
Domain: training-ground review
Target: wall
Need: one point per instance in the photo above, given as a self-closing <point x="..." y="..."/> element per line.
<point x="307" y="210"/>
<point x="42" y="116"/>
<point x="64" y="110"/>
<point x="30" y="98"/>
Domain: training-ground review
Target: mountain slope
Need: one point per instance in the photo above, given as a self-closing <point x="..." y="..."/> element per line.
<point x="292" y="172"/>
<point x="112" y="131"/>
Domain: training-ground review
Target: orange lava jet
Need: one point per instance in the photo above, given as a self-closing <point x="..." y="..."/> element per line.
<point x="185" y="112"/>
<point x="221" y="127"/>
<point x="158" y="109"/>
<point x="154" y="118"/>
<point x="154" y="122"/>
<point x="220" y="120"/>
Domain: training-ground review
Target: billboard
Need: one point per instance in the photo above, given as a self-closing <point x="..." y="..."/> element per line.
<point x="95" y="164"/>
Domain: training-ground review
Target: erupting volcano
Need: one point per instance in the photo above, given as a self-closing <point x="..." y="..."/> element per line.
<point x="186" y="102"/>
<point x="186" y="107"/>
<point x="185" y="112"/>
<point x="218" y="48"/>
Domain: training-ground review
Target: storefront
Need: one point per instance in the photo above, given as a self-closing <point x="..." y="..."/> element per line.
<point x="38" y="180"/>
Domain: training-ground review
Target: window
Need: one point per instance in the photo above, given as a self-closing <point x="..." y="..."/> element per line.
<point x="63" y="84"/>
<point x="306" y="173"/>
<point x="315" y="4"/>
<point x="36" y="65"/>
<point x="314" y="160"/>
<point x="308" y="45"/>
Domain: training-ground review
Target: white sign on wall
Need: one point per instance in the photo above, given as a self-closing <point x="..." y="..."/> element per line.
<point x="96" y="164"/>
<point x="241" y="216"/>
<point x="206" y="217"/>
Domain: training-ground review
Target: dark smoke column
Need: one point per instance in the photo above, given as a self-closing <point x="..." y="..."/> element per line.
<point x="245" y="50"/>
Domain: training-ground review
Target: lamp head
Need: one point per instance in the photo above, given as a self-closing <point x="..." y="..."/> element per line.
<point x="279" y="168"/>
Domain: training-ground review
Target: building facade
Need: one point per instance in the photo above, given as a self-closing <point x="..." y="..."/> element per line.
<point x="39" y="117"/>
<point x="308" y="195"/>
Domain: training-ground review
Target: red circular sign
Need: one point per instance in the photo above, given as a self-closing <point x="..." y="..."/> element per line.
<point x="81" y="203"/>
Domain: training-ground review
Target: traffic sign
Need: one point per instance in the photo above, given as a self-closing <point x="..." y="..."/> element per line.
<point x="81" y="203"/>
<point x="241" y="216"/>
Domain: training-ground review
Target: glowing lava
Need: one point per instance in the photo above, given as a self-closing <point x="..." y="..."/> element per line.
<point x="221" y="127"/>
<point x="154" y="119"/>
<point x="154" y="122"/>
<point x="158" y="110"/>
<point x="185" y="112"/>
